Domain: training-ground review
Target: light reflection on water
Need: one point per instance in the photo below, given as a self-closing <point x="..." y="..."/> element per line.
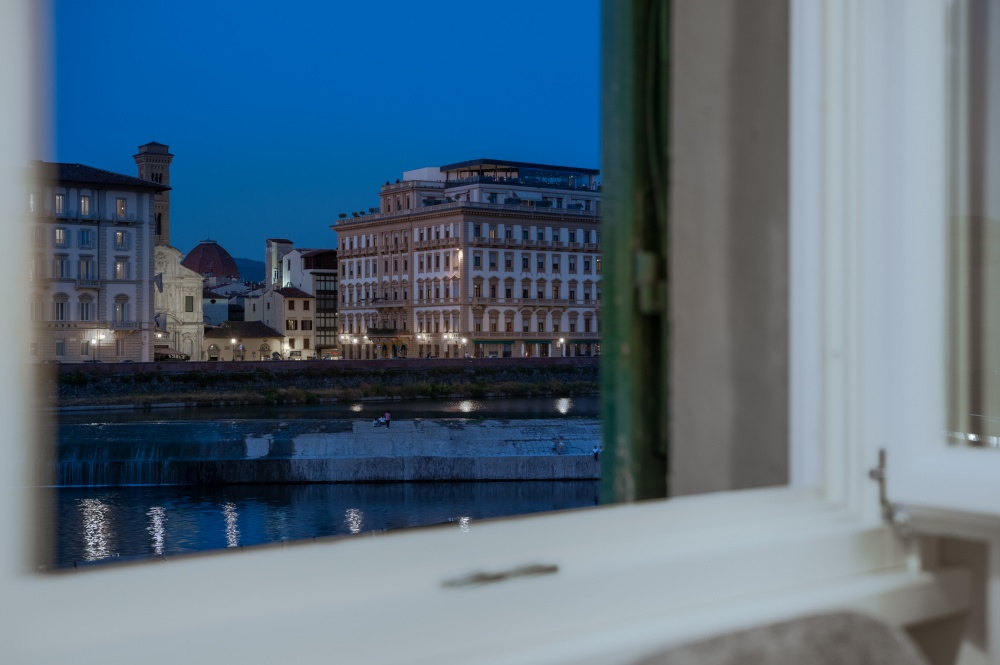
<point x="564" y="405"/>
<point x="232" y="527"/>
<point x="98" y="523"/>
<point x="354" y="520"/>
<point x="157" y="516"/>
<point x="96" y="532"/>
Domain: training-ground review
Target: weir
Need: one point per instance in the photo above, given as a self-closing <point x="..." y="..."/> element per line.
<point x="321" y="451"/>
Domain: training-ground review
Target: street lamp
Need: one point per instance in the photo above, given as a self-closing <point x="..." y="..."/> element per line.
<point x="562" y="346"/>
<point x="233" y="343"/>
<point x="463" y="348"/>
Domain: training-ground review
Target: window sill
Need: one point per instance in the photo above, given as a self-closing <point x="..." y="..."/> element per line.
<point x="630" y="579"/>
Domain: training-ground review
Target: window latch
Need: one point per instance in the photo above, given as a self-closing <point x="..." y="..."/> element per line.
<point x="893" y="515"/>
<point x="651" y="291"/>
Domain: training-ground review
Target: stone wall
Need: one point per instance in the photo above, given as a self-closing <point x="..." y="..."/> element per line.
<point x="272" y="381"/>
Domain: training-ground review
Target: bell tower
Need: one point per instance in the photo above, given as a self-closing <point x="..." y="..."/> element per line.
<point x="153" y="160"/>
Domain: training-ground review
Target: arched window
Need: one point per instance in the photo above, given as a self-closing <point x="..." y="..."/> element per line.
<point x="36" y="307"/>
<point x="60" y="307"/>
<point x="121" y="308"/>
<point x="86" y="306"/>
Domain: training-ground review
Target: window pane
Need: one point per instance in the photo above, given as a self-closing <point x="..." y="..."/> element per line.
<point x="974" y="411"/>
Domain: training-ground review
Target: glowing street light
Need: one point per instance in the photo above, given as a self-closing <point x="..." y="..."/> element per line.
<point x="233" y="343"/>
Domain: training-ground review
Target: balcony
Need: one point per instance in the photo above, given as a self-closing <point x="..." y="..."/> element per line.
<point x="382" y="332"/>
<point x="88" y="283"/>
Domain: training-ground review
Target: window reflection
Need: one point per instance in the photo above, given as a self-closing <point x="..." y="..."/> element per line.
<point x="974" y="391"/>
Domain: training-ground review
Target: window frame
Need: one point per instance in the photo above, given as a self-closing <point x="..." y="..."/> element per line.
<point x="666" y="571"/>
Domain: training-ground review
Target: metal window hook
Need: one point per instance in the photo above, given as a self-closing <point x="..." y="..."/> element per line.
<point x="893" y="515"/>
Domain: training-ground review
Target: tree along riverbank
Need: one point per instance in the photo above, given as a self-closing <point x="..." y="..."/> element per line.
<point x="311" y="382"/>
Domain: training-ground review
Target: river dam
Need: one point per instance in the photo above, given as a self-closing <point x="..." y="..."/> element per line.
<point x="269" y="451"/>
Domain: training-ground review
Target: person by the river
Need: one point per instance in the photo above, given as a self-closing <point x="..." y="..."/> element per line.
<point x="560" y="446"/>
<point x="597" y="452"/>
<point x="387" y="417"/>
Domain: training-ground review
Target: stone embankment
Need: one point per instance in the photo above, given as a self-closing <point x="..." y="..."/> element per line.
<point x="142" y="384"/>
<point x="310" y="451"/>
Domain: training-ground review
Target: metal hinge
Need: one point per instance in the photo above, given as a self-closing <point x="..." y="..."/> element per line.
<point x="651" y="291"/>
<point x="893" y="515"/>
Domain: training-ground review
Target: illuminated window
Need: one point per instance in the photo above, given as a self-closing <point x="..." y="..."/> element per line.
<point x="121" y="210"/>
<point x="121" y="309"/>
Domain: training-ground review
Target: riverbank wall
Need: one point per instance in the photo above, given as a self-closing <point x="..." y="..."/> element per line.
<point x="319" y="451"/>
<point x="289" y="382"/>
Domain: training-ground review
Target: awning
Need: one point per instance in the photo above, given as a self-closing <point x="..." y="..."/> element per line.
<point x="528" y="196"/>
<point x="583" y="341"/>
<point x="537" y="341"/>
<point x="491" y="341"/>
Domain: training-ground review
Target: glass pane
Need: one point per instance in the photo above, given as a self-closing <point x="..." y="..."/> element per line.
<point x="319" y="122"/>
<point x="974" y="411"/>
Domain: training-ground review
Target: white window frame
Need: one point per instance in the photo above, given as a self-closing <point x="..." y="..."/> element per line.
<point x="630" y="578"/>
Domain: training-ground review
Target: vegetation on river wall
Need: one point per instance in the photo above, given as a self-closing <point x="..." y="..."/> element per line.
<point x="313" y="385"/>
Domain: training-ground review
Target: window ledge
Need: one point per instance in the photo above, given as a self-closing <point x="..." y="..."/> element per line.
<point x="628" y="577"/>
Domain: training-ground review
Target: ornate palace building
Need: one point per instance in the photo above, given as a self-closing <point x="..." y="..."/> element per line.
<point x="486" y="258"/>
<point x="91" y="275"/>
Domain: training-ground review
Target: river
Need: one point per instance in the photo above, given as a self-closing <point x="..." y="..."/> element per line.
<point x="100" y="525"/>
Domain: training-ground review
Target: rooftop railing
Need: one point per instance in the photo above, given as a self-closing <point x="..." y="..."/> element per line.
<point x="475" y="205"/>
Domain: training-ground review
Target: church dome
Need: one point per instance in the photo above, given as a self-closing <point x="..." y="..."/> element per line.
<point x="210" y="259"/>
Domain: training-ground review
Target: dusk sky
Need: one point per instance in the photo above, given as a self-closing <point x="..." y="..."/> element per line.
<point x="281" y="115"/>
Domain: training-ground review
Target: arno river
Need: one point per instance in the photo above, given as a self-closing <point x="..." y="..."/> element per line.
<point x="95" y="525"/>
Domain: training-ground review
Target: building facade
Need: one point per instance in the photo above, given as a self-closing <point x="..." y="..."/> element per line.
<point x="275" y="250"/>
<point x="177" y="296"/>
<point x="92" y="264"/>
<point x="291" y="311"/>
<point x="486" y="258"/>
<point x="315" y="271"/>
<point x="242" y="340"/>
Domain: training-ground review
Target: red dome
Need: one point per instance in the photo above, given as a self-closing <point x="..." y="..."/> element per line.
<point x="211" y="260"/>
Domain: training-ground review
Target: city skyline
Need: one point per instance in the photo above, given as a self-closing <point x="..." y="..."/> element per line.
<point x="280" y="123"/>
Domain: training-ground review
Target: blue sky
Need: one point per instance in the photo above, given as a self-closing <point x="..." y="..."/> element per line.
<point x="282" y="115"/>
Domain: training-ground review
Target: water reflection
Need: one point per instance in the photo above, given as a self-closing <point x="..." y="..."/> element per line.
<point x="232" y="528"/>
<point x="357" y="408"/>
<point x="468" y="406"/>
<point x="96" y="530"/>
<point x="563" y="405"/>
<point x="157" y="516"/>
<point x="354" y="520"/>
<point x="93" y="523"/>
